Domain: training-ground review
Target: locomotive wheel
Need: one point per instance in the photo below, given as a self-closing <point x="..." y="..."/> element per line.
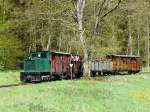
<point x="23" y="78"/>
<point x="57" y="77"/>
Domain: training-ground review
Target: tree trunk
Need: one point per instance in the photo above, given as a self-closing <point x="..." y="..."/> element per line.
<point x="60" y="40"/>
<point x="42" y="43"/>
<point x="138" y="29"/>
<point x="48" y="43"/>
<point x="96" y="26"/>
<point x="138" y="44"/>
<point x="130" y="37"/>
<point x="148" y="37"/>
<point x="4" y="11"/>
<point x="80" y="8"/>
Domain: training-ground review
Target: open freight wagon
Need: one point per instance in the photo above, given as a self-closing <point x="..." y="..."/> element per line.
<point x="116" y="64"/>
<point x="125" y="63"/>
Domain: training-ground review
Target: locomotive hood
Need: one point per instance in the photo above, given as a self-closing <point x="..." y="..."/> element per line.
<point x="37" y="62"/>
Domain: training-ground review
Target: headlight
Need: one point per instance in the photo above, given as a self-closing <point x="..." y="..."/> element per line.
<point x="29" y="58"/>
<point x="39" y="55"/>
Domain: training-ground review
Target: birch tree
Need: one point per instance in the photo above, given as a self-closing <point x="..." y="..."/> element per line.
<point x="148" y="37"/>
<point x="138" y="37"/>
<point x="80" y="6"/>
<point x="130" y="35"/>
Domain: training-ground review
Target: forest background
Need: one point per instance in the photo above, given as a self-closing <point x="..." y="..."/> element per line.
<point x="91" y="28"/>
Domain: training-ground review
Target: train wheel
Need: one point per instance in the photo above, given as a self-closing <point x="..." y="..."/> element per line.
<point x="130" y="72"/>
<point x="93" y="74"/>
<point x="104" y="73"/>
<point x="57" y="77"/>
<point x="99" y="73"/>
<point x="24" y="80"/>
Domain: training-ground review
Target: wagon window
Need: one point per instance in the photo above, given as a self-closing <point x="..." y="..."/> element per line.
<point x="134" y="60"/>
<point x="128" y="60"/>
<point x="124" y="60"/>
<point x="117" y="60"/>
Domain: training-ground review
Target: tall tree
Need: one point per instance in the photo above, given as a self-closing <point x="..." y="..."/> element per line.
<point x="148" y="47"/>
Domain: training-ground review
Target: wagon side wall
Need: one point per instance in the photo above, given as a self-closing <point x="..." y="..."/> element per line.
<point x="60" y="63"/>
<point x="126" y="64"/>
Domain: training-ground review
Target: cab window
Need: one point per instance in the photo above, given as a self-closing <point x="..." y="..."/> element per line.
<point x="39" y="55"/>
<point x="35" y="55"/>
<point x="43" y="55"/>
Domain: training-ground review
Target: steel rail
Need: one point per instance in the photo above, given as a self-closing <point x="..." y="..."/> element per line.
<point x="12" y="85"/>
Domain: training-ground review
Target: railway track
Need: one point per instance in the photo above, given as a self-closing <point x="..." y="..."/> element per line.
<point x="144" y="72"/>
<point x="20" y="84"/>
<point x="12" y="85"/>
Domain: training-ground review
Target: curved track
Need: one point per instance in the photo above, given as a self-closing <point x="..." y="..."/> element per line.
<point x="12" y="85"/>
<point x="144" y="72"/>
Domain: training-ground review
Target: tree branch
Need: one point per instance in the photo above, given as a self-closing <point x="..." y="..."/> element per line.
<point x="113" y="9"/>
<point x="100" y="18"/>
<point x="101" y="8"/>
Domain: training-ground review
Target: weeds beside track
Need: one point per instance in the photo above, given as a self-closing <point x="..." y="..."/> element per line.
<point x="12" y="85"/>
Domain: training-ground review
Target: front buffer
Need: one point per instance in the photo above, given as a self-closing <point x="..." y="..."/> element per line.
<point x="34" y="76"/>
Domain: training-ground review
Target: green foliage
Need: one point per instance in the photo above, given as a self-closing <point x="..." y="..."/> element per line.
<point x="10" y="51"/>
<point x="53" y="25"/>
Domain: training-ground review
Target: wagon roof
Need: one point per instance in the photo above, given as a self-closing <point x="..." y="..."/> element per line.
<point x="126" y="56"/>
<point x="60" y="53"/>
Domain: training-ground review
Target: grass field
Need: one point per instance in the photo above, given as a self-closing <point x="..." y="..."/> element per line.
<point x="9" y="77"/>
<point x="105" y="94"/>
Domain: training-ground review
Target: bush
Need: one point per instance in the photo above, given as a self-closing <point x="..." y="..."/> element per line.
<point x="10" y="51"/>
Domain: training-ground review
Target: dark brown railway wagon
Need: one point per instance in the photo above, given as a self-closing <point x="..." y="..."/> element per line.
<point x="60" y="63"/>
<point x="125" y="63"/>
<point x="77" y="68"/>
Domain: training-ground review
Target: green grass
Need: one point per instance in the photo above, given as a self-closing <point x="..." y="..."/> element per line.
<point x="146" y="69"/>
<point x="9" y="77"/>
<point x="130" y="93"/>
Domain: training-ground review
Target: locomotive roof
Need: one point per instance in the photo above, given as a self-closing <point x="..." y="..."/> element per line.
<point x="52" y="52"/>
<point x="126" y="56"/>
<point x="39" y="51"/>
